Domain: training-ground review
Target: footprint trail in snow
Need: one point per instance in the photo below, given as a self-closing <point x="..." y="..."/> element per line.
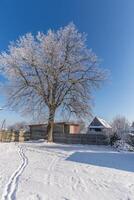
<point x="11" y="187"/>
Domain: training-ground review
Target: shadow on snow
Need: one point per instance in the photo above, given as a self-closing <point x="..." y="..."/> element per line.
<point x="100" y="156"/>
<point x="120" y="161"/>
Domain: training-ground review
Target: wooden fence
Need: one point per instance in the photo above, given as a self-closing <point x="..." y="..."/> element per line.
<point x="92" y="138"/>
<point x="38" y="132"/>
<point x="21" y="136"/>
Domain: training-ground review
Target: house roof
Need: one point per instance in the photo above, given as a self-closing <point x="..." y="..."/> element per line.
<point x="104" y="123"/>
<point x="99" y="123"/>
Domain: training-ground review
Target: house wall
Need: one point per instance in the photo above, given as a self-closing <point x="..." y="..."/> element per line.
<point x="74" y="129"/>
<point x="96" y="129"/>
<point x="103" y="131"/>
<point x="95" y="122"/>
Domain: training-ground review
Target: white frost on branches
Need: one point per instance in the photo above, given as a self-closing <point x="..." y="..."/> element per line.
<point x="50" y="71"/>
<point x="121" y="127"/>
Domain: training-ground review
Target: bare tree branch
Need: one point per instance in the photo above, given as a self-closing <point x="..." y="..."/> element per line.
<point x="52" y="71"/>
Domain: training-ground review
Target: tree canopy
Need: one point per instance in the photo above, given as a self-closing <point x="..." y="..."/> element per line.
<point x="51" y="71"/>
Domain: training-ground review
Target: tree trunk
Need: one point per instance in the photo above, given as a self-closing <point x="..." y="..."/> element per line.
<point x="50" y="125"/>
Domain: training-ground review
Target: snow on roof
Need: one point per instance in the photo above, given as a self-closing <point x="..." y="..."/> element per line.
<point x="104" y="123"/>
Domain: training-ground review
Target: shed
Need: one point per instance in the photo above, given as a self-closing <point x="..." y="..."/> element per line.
<point x="39" y="131"/>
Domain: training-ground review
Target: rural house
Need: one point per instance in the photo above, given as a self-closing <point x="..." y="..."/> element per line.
<point x="99" y="125"/>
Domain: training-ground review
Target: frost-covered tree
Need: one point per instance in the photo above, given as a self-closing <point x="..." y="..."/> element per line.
<point x="120" y="126"/>
<point x="51" y="72"/>
<point x="18" y="125"/>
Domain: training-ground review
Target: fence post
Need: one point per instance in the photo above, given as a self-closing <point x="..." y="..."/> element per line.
<point x="96" y="139"/>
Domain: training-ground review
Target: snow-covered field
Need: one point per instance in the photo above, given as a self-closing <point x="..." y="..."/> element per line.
<point x="41" y="171"/>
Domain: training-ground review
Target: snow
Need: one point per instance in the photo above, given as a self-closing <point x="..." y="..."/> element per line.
<point x="104" y="123"/>
<point x="132" y="134"/>
<point x="121" y="145"/>
<point x="43" y="171"/>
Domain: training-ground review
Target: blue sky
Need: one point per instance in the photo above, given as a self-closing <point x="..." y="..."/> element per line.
<point x="110" y="28"/>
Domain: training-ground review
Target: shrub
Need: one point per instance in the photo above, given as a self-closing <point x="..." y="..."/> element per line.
<point x="113" y="139"/>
